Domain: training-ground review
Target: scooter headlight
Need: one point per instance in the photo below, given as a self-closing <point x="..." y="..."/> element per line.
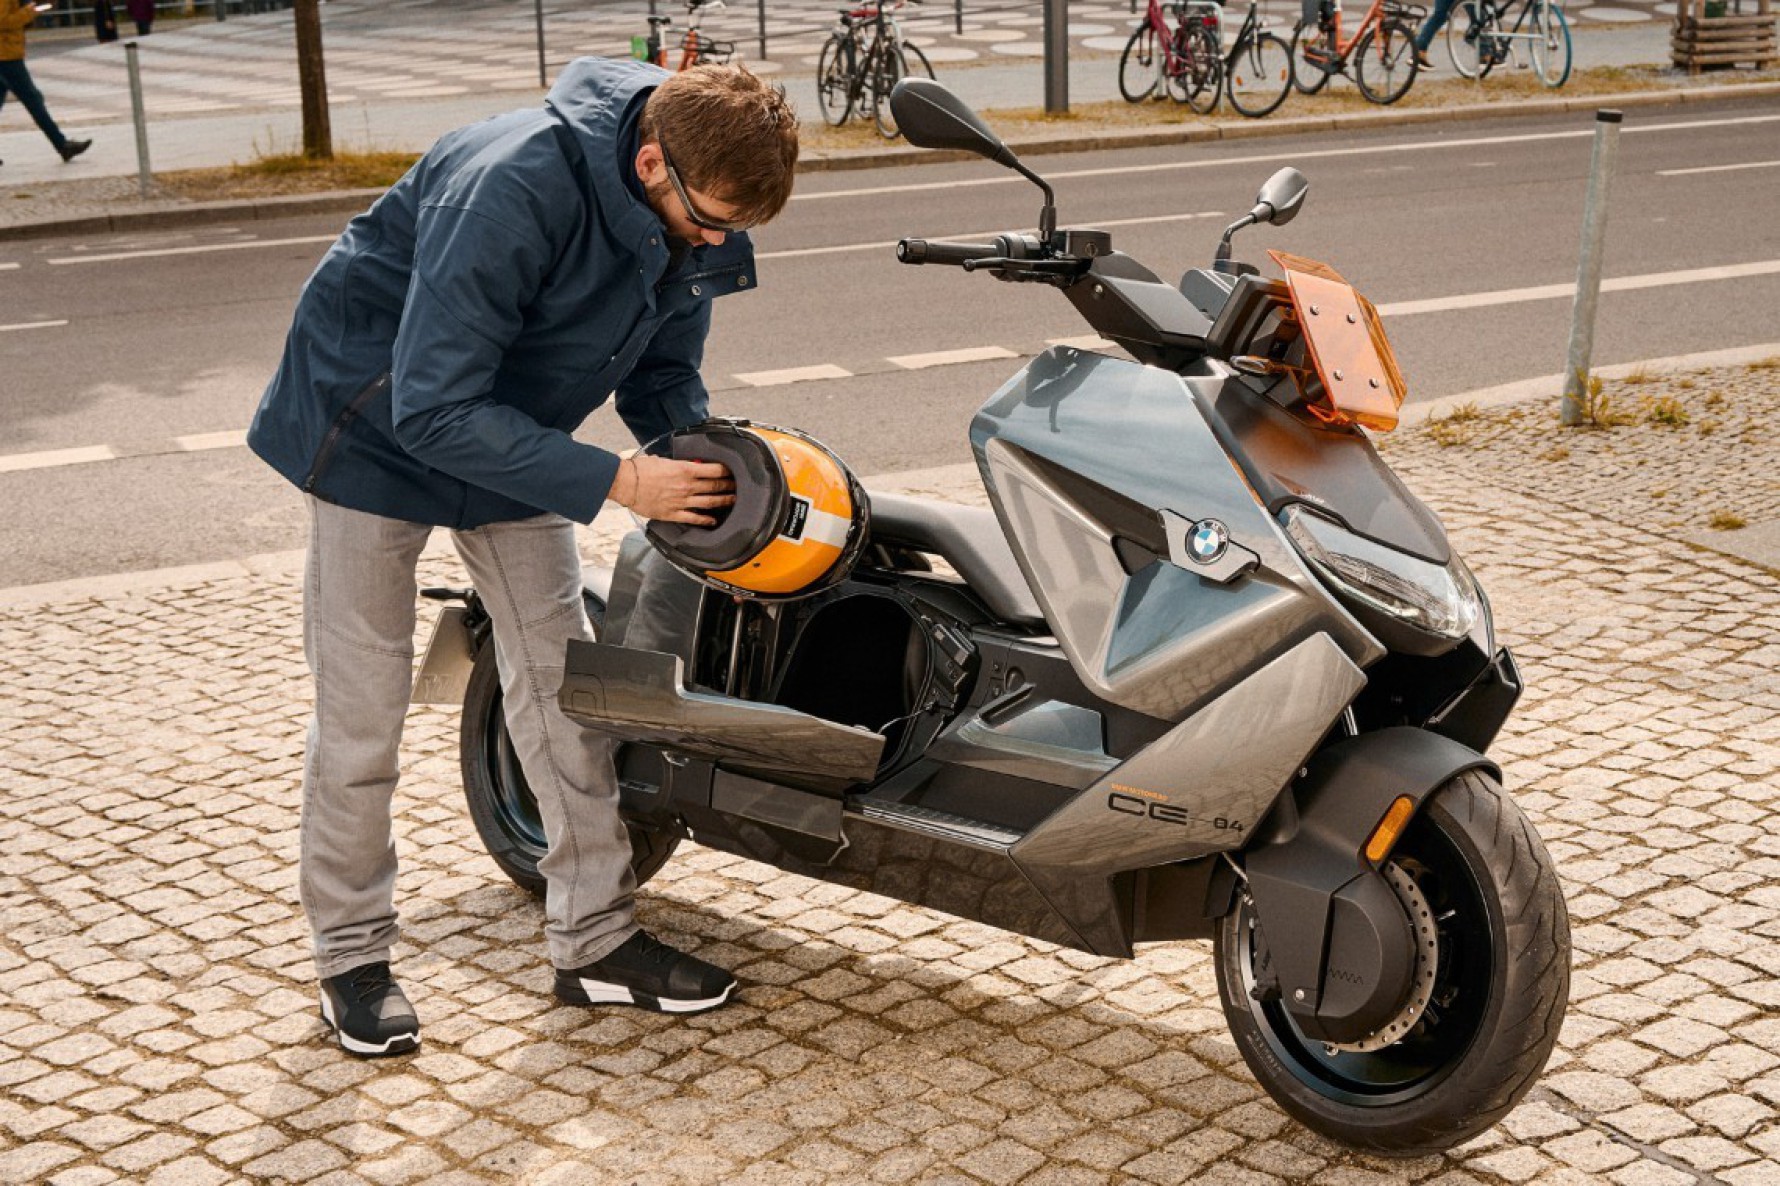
<point x="1440" y="600"/>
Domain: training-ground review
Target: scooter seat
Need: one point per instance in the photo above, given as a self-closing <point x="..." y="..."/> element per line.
<point x="967" y="538"/>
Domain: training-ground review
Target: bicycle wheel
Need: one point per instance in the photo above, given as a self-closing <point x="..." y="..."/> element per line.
<point x="1137" y="66"/>
<point x="1551" y="44"/>
<point x="1309" y="51"/>
<point x="1470" y="20"/>
<point x="1196" y="74"/>
<point x="834" y="82"/>
<point x="889" y="67"/>
<point x="915" y="63"/>
<point x="1384" y="62"/>
<point x="1259" y="75"/>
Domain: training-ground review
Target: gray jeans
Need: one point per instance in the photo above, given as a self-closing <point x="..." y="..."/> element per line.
<point x="358" y="632"/>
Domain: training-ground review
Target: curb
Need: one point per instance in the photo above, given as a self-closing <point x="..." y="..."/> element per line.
<point x="843" y="160"/>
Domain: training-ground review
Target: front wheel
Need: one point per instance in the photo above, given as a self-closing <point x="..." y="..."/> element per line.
<point x="1384" y="62"/>
<point x="834" y="82"/>
<point x="1472" y="863"/>
<point x="1551" y="44"/>
<point x="500" y="800"/>
<point x="1311" y="57"/>
<point x="1259" y="76"/>
<point x="1196" y="73"/>
<point x="1464" y="36"/>
<point x="1137" y="65"/>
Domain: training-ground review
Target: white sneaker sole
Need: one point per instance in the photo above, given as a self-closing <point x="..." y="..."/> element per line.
<point x="399" y="1044"/>
<point x="601" y="992"/>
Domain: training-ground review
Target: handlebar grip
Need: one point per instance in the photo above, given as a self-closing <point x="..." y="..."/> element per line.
<point x="923" y="251"/>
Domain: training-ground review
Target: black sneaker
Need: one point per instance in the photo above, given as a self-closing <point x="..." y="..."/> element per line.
<point x="368" y="1012"/>
<point x="73" y="148"/>
<point x="646" y="972"/>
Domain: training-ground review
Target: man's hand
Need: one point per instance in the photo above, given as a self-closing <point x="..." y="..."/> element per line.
<point x="673" y="491"/>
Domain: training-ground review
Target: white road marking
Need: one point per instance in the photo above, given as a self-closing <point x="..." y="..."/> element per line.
<point x="198" y="442"/>
<point x="52" y="458"/>
<point x="1718" y="168"/>
<point x="940" y="358"/>
<point x="9" y="267"/>
<point x="5" y="329"/>
<point x="1292" y="157"/>
<point x="1547" y="292"/>
<point x="794" y="375"/>
<point x="146" y="253"/>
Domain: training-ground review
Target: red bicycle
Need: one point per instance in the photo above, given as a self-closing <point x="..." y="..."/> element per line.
<point x="1181" y="61"/>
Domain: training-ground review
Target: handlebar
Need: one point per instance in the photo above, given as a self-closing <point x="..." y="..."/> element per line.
<point x="936" y="251"/>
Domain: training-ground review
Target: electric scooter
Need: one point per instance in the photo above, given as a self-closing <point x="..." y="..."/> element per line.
<point x="1206" y="670"/>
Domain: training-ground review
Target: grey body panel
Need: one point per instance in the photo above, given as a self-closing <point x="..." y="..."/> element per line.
<point x="1046" y="741"/>
<point x="970" y="540"/>
<point x="1200" y="789"/>
<point x="1164" y="639"/>
<point x="641" y="696"/>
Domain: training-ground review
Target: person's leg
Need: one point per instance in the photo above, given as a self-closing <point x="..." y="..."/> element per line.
<point x="358" y="631"/>
<point x="17" y="79"/>
<point x="528" y="574"/>
<point x="1435" y="22"/>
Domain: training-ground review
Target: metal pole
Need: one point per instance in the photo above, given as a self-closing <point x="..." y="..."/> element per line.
<point x="1056" y="57"/>
<point x="139" y="115"/>
<point x="1588" y="273"/>
<point x="763" y="29"/>
<point x="543" y="74"/>
<point x="218" y="10"/>
<point x="958" y="16"/>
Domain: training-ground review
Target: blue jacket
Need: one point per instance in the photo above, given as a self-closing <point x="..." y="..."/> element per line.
<point x="461" y="328"/>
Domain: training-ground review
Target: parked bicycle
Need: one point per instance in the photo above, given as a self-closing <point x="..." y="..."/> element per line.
<point x="1180" y="61"/>
<point x="1479" y="38"/>
<point x="1380" y="53"/>
<point x="696" y="48"/>
<point x="1258" y="67"/>
<point x="862" y="62"/>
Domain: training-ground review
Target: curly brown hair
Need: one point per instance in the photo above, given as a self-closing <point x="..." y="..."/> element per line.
<point x="731" y="136"/>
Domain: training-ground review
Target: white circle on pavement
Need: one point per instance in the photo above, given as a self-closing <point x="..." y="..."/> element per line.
<point x="1664" y="10"/>
<point x="1020" y="49"/>
<point x="1623" y="16"/>
<point x="1076" y="30"/>
<point x="991" y="35"/>
<point x="950" y="53"/>
<point x="1110" y="43"/>
<point x="760" y="67"/>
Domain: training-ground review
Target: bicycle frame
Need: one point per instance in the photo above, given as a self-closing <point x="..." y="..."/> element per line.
<point x="1341" y="46"/>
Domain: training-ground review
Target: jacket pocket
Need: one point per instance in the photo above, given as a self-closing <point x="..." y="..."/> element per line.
<point x="336" y="430"/>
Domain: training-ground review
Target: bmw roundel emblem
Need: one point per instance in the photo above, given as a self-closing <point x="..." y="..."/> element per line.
<point x="1208" y="541"/>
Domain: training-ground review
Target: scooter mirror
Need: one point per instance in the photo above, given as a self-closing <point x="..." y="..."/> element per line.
<point x="1281" y="197"/>
<point x="930" y="116"/>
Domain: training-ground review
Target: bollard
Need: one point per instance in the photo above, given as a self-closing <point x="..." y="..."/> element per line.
<point x="1056" y="57"/>
<point x="958" y="16"/>
<point x="543" y="75"/>
<point x="139" y="115"/>
<point x="763" y="30"/>
<point x="1588" y="272"/>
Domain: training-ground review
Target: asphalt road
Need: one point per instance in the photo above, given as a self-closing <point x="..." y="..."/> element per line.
<point x="161" y="346"/>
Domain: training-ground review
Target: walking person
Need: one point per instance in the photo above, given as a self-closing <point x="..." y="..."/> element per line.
<point x="15" y="79"/>
<point x="527" y="269"/>
<point x="1424" y="38"/>
<point x="143" y="13"/>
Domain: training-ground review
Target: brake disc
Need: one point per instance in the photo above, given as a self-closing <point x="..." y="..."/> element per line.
<point x="1426" y="939"/>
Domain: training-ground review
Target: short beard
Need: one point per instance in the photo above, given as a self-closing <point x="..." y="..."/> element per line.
<point x="660" y="195"/>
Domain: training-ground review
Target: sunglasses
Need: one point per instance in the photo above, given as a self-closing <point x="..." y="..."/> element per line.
<point x="697" y="219"/>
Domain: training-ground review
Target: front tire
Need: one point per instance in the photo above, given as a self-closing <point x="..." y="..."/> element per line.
<point x="501" y="802"/>
<point x="1260" y="76"/>
<point x="1137" y="65"/>
<point x="1384" y="62"/>
<point x="1502" y="983"/>
<point x="1551" y="44"/>
<point x="834" y="83"/>
<point x="1310" y="50"/>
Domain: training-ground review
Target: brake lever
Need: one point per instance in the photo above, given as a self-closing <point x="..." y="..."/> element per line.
<point x="1067" y="268"/>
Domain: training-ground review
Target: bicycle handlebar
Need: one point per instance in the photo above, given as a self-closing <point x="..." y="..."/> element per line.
<point x="936" y="251"/>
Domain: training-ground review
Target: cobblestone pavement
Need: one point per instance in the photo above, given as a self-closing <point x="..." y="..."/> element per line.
<point x="157" y="1022"/>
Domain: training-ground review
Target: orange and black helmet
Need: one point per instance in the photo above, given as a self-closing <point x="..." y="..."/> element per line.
<point x="799" y="520"/>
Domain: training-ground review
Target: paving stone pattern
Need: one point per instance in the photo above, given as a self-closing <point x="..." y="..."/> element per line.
<point x="157" y="1017"/>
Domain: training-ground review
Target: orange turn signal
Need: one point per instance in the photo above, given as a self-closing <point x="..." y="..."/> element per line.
<point x="1384" y="836"/>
